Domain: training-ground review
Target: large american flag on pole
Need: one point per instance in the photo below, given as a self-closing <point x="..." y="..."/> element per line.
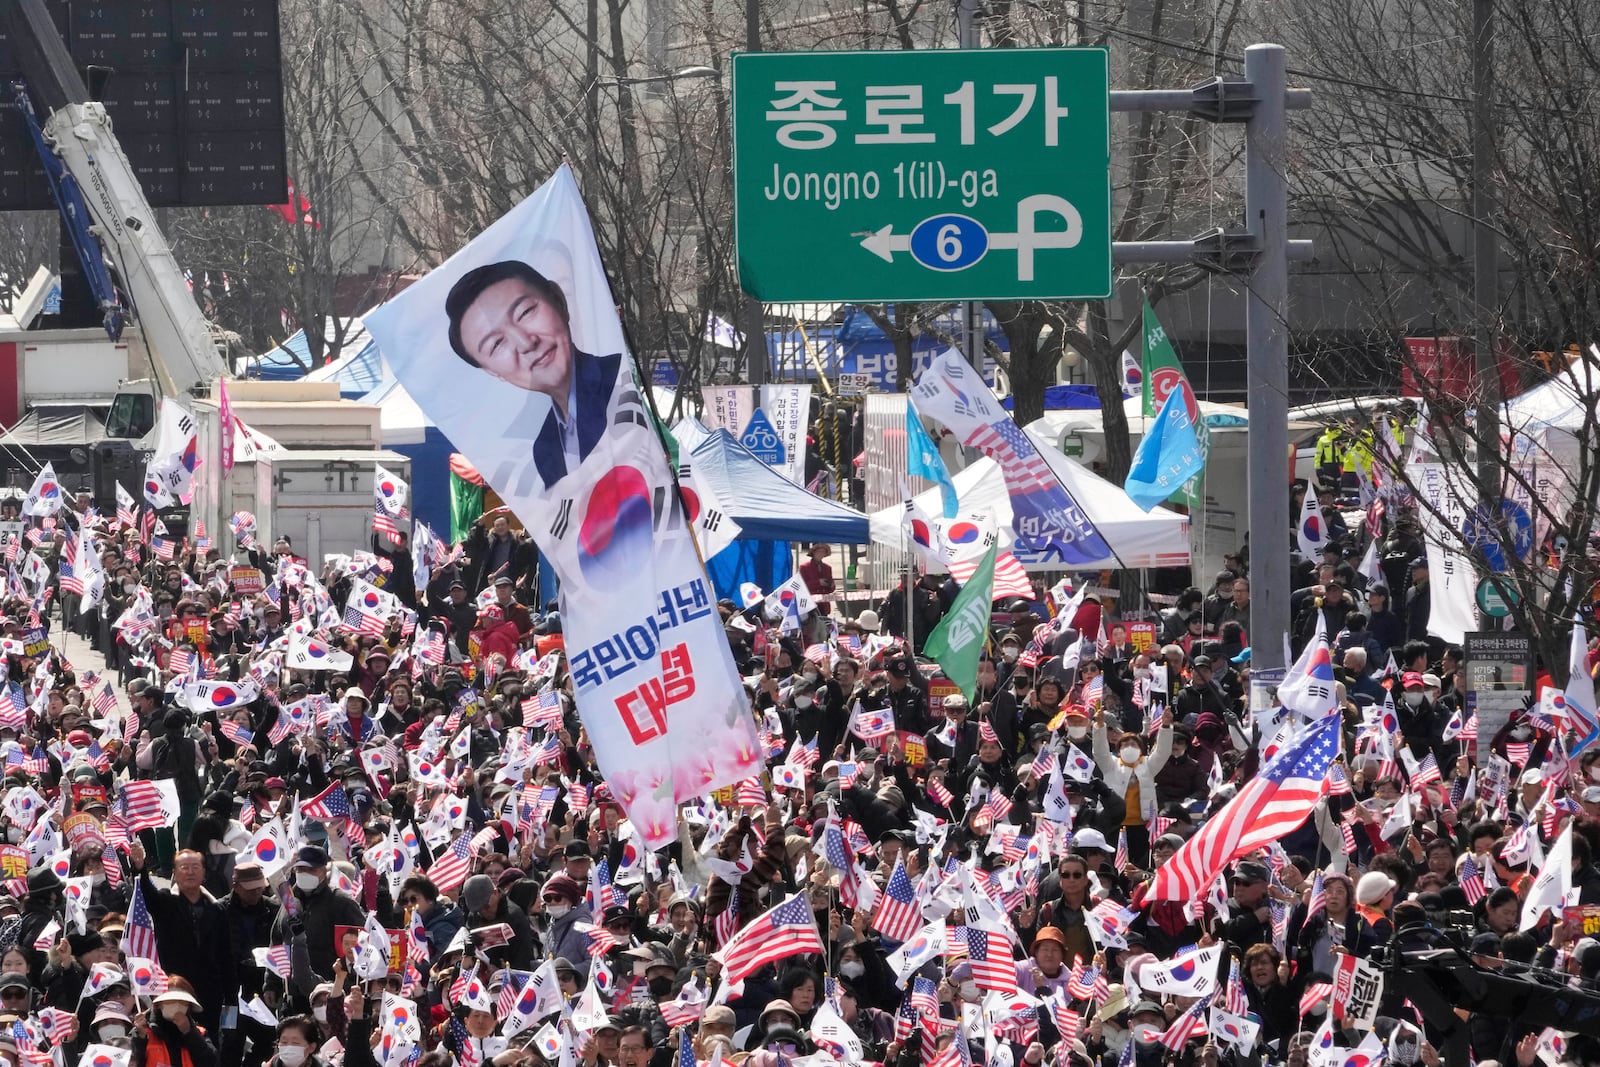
<point x="1271" y="805"/>
<point x="786" y="930"/>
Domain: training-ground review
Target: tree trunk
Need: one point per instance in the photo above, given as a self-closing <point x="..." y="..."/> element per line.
<point x="1105" y="364"/>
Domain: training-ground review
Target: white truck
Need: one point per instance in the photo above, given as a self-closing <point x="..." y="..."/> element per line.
<point x="173" y="353"/>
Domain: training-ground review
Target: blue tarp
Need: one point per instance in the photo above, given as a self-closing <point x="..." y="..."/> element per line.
<point x="358" y="370"/>
<point x="1065" y="398"/>
<point x="768" y="506"/>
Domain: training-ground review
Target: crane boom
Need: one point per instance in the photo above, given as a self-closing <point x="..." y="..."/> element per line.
<point x="79" y="131"/>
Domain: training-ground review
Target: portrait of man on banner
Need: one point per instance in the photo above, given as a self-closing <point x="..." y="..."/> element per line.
<point x="511" y="321"/>
<point x="513" y="347"/>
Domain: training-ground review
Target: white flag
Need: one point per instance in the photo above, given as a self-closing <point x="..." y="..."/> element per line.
<point x="310" y="653"/>
<point x="1550" y="889"/>
<point x="1311" y="532"/>
<point x="388" y="493"/>
<point x="713" y="526"/>
<point x="44" y="498"/>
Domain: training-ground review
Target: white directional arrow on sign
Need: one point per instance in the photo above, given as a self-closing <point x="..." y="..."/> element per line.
<point x="884" y="243"/>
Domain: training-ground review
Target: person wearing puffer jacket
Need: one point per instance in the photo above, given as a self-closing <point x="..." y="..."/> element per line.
<point x="497" y="634"/>
<point x="563" y="902"/>
<point x="1131" y="772"/>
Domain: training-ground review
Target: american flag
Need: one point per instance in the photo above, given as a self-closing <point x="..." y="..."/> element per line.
<point x="1319" y="896"/>
<point x="786" y="930"/>
<point x="924" y="998"/>
<point x="510" y="990"/>
<point x="139" y="937"/>
<point x="13" y="715"/>
<point x="685" y="1008"/>
<point x="986" y="732"/>
<point x="1338" y="784"/>
<point x="871" y="725"/>
<point x="1187" y="1025"/>
<point x="542" y="710"/>
<point x="989" y="953"/>
<point x="98" y="757"/>
<point x="163" y="547"/>
<point x="38" y="763"/>
<point x="1427" y="771"/>
<point x="363" y="622"/>
<point x="1471" y="881"/>
<point x="957" y="1053"/>
<point x="838" y="853"/>
<point x="805" y="755"/>
<point x="997" y="806"/>
<point x="1024" y="469"/>
<point x="1068" y="1022"/>
<point x="1042" y="762"/>
<point x="1271" y="805"/>
<point x="727" y="921"/>
<point x="103" y="697"/>
<point x="1314" y="992"/>
<point x="898" y="916"/>
<point x="1120" y="861"/>
<point x="236" y="733"/>
<point x="940" y="794"/>
<point x="1348" y="834"/>
<point x="332" y="803"/>
<point x="1010" y="579"/>
<point x="750" y="793"/>
<point x="1095" y="691"/>
<point x="1517" y="752"/>
<point x="449" y="869"/>
<point x="1235" y="999"/>
<point x="141" y="807"/>
<point x="181" y="660"/>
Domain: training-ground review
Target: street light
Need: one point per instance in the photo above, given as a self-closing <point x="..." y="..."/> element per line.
<point x="681" y="74"/>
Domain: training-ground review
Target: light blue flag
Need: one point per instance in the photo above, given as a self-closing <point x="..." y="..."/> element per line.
<point x="1168" y="456"/>
<point x="923" y="459"/>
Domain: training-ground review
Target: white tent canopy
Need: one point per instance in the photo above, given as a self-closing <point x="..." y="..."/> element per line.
<point x="1158" y="538"/>
<point x="1560" y="403"/>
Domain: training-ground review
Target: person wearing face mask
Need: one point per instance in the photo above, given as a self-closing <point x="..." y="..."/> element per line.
<point x="112" y="1026"/>
<point x="1419" y="719"/>
<point x="1132" y="773"/>
<point x="298" y="1039"/>
<point x="563" y="903"/>
<point x="250" y="909"/>
<point x="319" y="906"/>
<point x="955" y="739"/>
<point x="171" y="1036"/>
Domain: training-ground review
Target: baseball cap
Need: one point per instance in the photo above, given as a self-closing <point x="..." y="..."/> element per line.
<point x="1412" y="679"/>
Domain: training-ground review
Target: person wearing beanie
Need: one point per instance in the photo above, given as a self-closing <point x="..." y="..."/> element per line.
<point x="563" y="903"/>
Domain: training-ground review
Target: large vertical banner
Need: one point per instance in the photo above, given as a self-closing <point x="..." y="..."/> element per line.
<point x="514" y="349"/>
<point x="727" y="407"/>
<point x="788" y="407"/>
<point x="1451" y="575"/>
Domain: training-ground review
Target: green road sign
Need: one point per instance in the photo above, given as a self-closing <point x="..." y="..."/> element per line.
<point x="936" y="175"/>
<point x="1491" y="601"/>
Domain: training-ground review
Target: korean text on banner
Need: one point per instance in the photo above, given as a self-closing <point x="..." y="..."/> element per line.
<point x="514" y="349"/>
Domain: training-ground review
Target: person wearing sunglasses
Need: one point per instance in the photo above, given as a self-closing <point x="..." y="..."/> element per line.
<point x="441" y="921"/>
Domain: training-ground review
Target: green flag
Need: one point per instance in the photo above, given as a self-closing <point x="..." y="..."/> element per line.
<point x="466" y="504"/>
<point x="959" y="638"/>
<point x="1162" y="374"/>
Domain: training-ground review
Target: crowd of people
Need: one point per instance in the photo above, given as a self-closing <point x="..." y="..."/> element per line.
<point x="405" y="851"/>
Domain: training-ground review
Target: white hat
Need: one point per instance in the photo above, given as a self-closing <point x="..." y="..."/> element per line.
<point x="177" y="996"/>
<point x="1532" y="776"/>
<point x="1372" y="887"/>
<point x="1431" y="681"/>
<point x="868" y="620"/>
<point x="1090" y="838"/>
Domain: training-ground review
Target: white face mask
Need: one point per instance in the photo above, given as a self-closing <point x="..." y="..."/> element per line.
<point x="170" y="1012"/>
<point x="556" y="911"/>
<point x="113" y="1031"/>
<point x="810" y="676"/>
<point x="1131" y="753"/>
<point x="1141" y="673"/>
<point x="1594" y="772"/>
<point x="320" y="1013"/>
<point x="306" y="882"/>
<point x="1010" y="652"/>
<point x="291" y="1055"/>
<point x="852" y="968"/>
<point x="1077" y="733"/>
<point x="969" y="991"/>
<point x="802" y="702"/>
<point x="1414" y="700"/>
